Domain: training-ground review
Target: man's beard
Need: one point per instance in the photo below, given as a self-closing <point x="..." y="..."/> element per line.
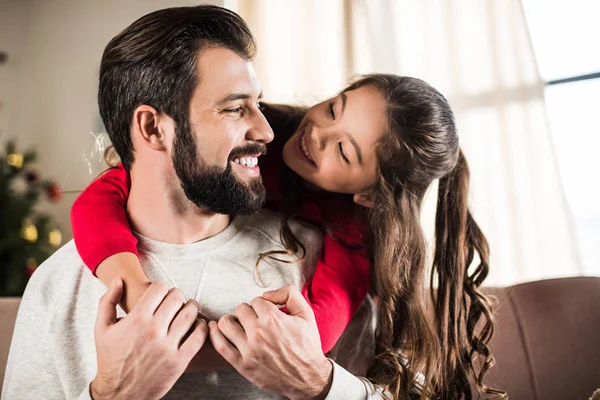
<point x="210" y="187"/>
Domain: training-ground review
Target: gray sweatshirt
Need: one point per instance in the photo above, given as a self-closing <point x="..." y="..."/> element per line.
<point x="52" y="355"/>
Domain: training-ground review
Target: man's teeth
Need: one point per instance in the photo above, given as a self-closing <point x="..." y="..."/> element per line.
<point x="305" y="149"/>
<point x="247" y="161"/>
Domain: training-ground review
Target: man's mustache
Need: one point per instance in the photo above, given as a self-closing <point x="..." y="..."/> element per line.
<point x="253" y="148"/>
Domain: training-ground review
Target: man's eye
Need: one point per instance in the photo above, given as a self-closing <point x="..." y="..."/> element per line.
<point x="234" y="110"/>
<point x="331" y="110"/>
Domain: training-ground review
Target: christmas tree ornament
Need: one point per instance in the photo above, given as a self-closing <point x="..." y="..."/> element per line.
<point x="32" y="265"/>
<point x="15" y="160"/>
<point x="29" y="232"/>
<point x="55" y="237"/>
<point x="32" y="177"/>
<point x="54" y="192"/>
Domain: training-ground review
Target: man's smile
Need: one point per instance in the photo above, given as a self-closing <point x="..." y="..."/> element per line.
<point x="247" y="165"/>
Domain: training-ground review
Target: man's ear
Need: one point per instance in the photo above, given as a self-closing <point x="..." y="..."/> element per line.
<point x="364" y="199"/>
<point x="146" y="121"/>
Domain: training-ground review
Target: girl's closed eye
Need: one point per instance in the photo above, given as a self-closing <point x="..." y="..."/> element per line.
<point x="341" y="148"/>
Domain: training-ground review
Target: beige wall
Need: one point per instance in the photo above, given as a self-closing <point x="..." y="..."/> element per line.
<point x="48" y="86"/>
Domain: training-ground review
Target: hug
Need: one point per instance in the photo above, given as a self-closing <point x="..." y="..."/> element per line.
<point x="251" y="250"/>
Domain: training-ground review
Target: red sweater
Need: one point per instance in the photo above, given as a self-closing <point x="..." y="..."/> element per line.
<point x="342" y="276"/>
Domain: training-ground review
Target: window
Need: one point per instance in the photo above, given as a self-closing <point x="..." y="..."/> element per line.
<point x="564" y="37"/>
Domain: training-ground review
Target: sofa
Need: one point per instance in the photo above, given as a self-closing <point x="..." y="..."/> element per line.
<point x="8" y="312"/>
<point x="546" y="342"/>
<point x="547" y="339"/>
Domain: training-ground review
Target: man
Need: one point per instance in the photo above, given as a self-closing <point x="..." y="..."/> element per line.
<point x="178" y="97"/>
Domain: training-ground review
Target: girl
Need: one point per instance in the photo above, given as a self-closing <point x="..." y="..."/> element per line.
<point x="358" y="165"/>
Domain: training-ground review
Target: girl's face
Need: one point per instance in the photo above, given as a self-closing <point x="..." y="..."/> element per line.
<point x="334" y="146"/>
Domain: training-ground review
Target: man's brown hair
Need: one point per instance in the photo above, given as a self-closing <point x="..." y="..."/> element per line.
<point x="153" y="62"/>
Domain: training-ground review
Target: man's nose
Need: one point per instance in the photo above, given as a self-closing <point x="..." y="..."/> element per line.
<point x="260" y="130"/>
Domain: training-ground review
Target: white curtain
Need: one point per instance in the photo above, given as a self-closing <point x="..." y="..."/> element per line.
<point x="478" y="53"/>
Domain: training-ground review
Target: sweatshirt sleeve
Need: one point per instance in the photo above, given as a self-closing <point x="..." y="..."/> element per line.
<point x="30" y="369"/>
<point x="85" y="394"/>
<point x="337" y="289"/>
<point x="99" y="219"/>
<point x="345" y="386"/>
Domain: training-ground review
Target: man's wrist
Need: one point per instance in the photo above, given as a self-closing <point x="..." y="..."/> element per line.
<point x="325" y="381"/>
<point x="98" y="392"/>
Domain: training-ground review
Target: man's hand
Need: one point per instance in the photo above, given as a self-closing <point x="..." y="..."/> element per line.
<point x="277" y="352"/>
<point x="143" y="354"/>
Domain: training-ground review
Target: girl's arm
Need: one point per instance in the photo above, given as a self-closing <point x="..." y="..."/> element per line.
<point x="125" y="266"/>
<point x="337" y="289"/>
<point x="106" y="245"/>
<point x="103" y="235"/>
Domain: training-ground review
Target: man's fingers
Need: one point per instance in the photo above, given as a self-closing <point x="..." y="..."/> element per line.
<point x="184" y="320"/>
<point x="223" y="346"/>
<point x="246" y="316"/>
<point x="234" y="332"/>
<point x="279" y="296"/>
<point x="194" y="342"/>
<point x="151" y="299"/>
<point x="263" y="307"/>
<point x="295" y="303"/>
<point x="170" y="307"/>
<point x="107" y="307"/>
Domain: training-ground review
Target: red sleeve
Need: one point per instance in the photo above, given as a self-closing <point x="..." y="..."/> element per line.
<point x="342" y="275"/>
<point x="99" y="219"/>
<point x="340" y="284"/>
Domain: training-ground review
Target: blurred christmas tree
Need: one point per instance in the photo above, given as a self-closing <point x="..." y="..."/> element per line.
<point x="27" y="237"/>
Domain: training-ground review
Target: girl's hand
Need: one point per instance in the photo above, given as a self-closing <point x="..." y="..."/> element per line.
<point x="126" y="267"/>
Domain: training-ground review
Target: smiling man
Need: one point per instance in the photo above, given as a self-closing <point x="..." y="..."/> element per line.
<point x="179" y="99"/>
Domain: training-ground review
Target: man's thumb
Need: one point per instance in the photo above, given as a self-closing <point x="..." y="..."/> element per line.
<point x="107" y="307"/>
<point x="293" y="300"/>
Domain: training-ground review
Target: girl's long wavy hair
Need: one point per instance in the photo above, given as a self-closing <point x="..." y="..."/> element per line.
<point x="425" y="348"/>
